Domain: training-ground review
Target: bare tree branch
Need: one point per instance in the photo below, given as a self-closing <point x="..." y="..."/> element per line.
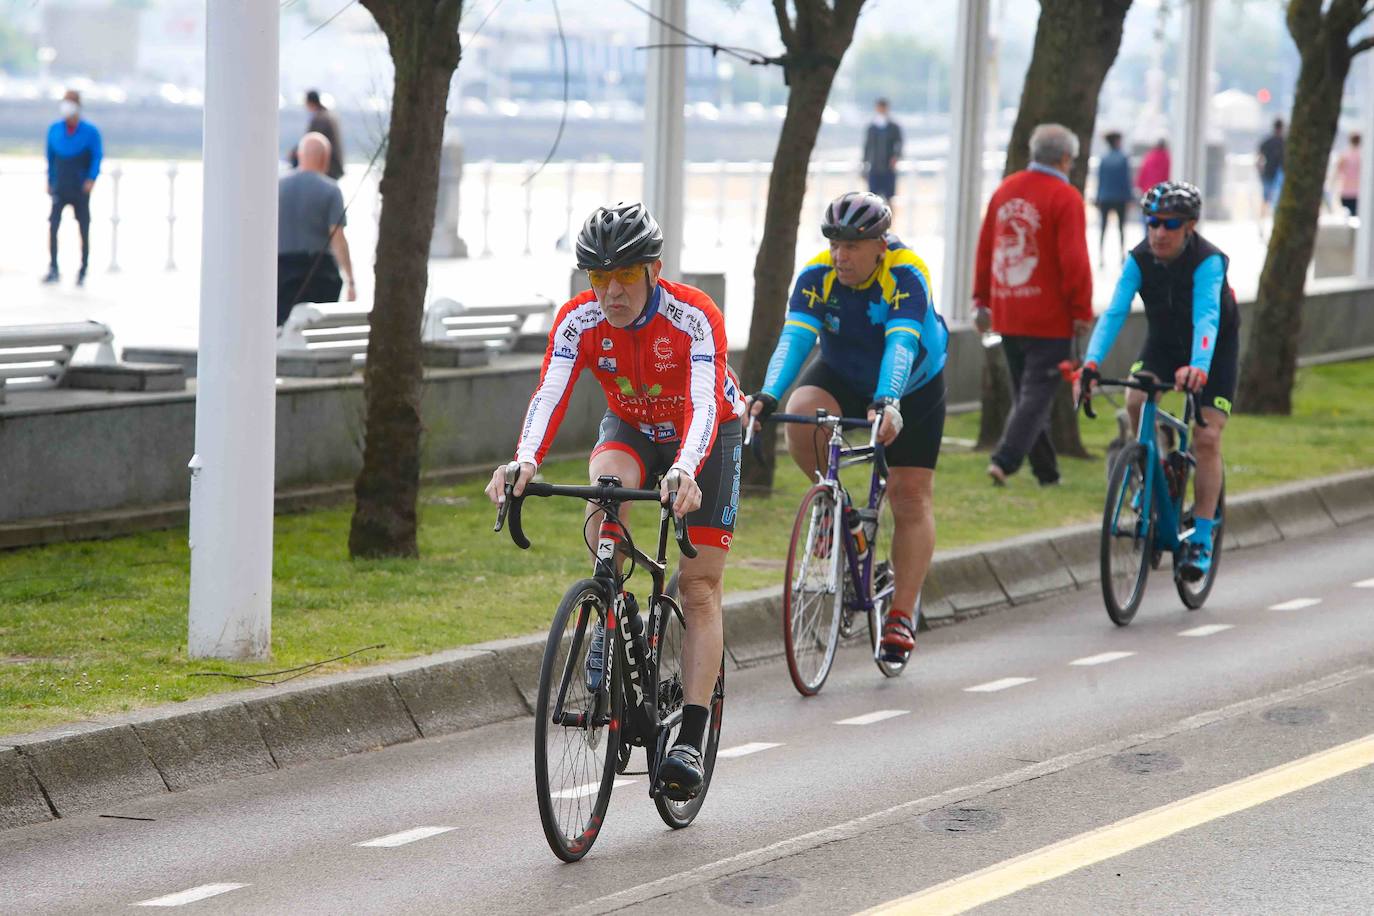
<point x="1359" y="47"/>
<point x="785" y="29"/>
<point x="1304" y="20"/>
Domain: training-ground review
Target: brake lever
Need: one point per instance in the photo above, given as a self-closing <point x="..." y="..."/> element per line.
<point x="684" y="541"/>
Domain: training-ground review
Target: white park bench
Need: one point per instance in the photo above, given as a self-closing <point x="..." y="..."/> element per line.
<point x="475" y="334"/>
<point x="42" y="356"/>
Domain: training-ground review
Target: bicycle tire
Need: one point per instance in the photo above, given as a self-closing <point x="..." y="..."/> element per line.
<point x="1128" y="568"/>
<point x="571" y="824"/>
<point x="1194" y="594"/>
<point x="667" y="646"/>
<point x="811" y="647"/>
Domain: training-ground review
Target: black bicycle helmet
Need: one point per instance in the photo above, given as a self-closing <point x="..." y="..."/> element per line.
<point x="856" y="215"/>
<point x="620" y="235"/>
<point x="1173" y="197"/>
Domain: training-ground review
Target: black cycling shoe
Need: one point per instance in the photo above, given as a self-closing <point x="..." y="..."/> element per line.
<point x="681" y="775"/>
<point x="1197" y="560"/>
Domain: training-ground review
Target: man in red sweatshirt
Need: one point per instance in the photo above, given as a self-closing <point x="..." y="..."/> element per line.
<point x="1033" y="285"/>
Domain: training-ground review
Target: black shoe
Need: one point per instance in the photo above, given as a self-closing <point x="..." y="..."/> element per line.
<point x="681" y="775"/>
<point x="596" y="658"/>
<point x="1197" y="561"/>
<point x="53" y="276"/>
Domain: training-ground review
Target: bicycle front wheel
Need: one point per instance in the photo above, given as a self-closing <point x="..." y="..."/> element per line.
<point x="669" y="634"/>
<point x="813" y="592"/>
<point x="881" y="584"/>
<point x="1127" y="536"/>
<point x="576" y="732"/>
<point x="1194" y="594"/>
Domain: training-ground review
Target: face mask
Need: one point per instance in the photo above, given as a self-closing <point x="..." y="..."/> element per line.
<point x="68" y="108"/>
<point x="880" y="120"/>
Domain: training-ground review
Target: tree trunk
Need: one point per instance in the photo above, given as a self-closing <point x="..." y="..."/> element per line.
<point x="1076" y="42"/>
<point x="815" y="45"/>
<point x="1271" y="358"/>
<point x="423" y="39"/>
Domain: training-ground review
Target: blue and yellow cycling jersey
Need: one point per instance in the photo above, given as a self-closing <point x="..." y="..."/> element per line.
<point x="883" y="336"/>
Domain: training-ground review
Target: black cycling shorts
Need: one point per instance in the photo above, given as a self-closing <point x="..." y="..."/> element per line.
<point x="923" y="414"/>
<point x="713" y="524"/>
<point x="1163" y="360"/>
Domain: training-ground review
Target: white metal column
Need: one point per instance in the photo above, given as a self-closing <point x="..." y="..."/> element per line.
<point x="1364" y="235"/>
<point x="963" y="190"/>
<point x="665" y="128"/>
<point x="232" y="471"/>
<point x="1196" y="92"/>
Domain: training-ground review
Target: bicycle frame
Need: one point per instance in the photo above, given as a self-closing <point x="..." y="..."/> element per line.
<point x="638" y="677"/>
<point x="1166" y="535"/>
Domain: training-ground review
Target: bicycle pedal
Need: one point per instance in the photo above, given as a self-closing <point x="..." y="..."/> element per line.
<point x="635" y="773"/>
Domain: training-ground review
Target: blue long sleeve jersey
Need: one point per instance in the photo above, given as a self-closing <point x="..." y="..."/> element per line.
<point x="1207" y="284"/>
<point x="73" y="158"/>
<point x="884" y="335"/>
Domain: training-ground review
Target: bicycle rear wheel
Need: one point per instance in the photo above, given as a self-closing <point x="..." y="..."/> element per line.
<point x="1194" y="594"/>
<point x="813" y="591"/>
<point x="667" y="642"/>
<point x="576" y="735"/>
<point x="1127" y="536"/>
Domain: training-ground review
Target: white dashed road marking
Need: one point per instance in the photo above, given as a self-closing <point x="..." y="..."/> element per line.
<point x="744" y="750"/>
<point x="406" y="836"/>
<point x="1365" y="583"/>
<point x="181" y="898"/>
<point x="1296" y="604"/>
<point x="871" y="717"/>
<point x="1003" y="684"/>
<point x="591" y="788"/>
<point x="1101" y="659"/>
<point x="1207" y="630"/>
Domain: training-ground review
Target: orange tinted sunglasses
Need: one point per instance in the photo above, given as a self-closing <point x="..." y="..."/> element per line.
<point x="622" y="275"/>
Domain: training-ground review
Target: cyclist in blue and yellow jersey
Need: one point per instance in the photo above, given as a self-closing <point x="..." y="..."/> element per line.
<point x="867" y="298"/>
<point x="1193" y="338"/>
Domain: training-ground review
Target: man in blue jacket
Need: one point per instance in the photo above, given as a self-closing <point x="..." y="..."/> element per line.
<point x="74" y="153"/>
<point x="1113" y="193"/>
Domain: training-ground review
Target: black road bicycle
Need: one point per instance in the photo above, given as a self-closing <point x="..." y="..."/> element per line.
<point x="589" y="717"/>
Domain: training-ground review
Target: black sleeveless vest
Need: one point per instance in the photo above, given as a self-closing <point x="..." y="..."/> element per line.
<point x="1167" y="292"/>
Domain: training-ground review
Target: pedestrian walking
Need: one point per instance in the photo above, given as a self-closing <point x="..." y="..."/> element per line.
<point x="1113" y="193"/>
<point x="324" y="122"/>
<point x="882" y="149"/>
<point x="74" y="153"/>
<point x="1348" y="175"/>
<point x="1270" y="164"/>
<point x="1154" y="167"/>
<point x="1033" y="285"/>
<point x="311" y="247"/>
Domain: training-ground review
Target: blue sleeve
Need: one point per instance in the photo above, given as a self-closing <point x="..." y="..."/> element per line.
<point x="52" y="162"/>
<point x="798" y="336"/>
<point x="901" y="353"/>
<point x="97" y="154"/>
<point x="1109" y="323"/>
<point x="1207" y="280"/>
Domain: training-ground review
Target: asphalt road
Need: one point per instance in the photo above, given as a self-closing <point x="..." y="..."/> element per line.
<point x="1088" y="726"/>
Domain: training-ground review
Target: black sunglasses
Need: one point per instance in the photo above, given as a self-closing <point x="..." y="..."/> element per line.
<point x="1171" y="223"/>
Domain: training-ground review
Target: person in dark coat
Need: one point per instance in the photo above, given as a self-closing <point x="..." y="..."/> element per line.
<point x="74" y="154"/>
<point x="882" y="149"/>
<point x="1113" y="192"/>
<point x="323" y="122"/>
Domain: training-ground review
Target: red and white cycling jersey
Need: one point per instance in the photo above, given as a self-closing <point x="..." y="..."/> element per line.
<point x="665" y="373"/>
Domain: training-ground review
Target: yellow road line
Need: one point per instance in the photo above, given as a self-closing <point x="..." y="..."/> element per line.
<point x="1006" y="878"/>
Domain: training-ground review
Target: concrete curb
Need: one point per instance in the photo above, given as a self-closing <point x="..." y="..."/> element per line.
<point x="98" y="765"/>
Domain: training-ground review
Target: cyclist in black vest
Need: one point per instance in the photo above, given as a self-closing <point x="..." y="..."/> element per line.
<point x="1194" y="337"/>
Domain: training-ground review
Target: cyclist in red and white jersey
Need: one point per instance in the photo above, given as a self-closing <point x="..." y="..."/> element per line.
<point x="658" y="350"/>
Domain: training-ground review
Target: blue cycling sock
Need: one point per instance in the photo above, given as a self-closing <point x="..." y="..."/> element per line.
<point x="1202" y="530"/>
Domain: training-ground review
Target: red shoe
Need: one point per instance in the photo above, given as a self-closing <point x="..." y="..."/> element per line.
<point x="899" y="638"/>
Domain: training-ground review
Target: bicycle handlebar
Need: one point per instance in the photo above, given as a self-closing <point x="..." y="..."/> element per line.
<point x="1192" y="409"/>
<point x="509" y="510"/>
<point x="820" y="418"/>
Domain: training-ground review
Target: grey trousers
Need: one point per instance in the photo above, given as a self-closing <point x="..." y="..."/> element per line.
<point x="1034" y="365"/>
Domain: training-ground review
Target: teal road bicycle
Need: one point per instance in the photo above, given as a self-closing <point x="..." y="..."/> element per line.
<point x="1145" y="514"/>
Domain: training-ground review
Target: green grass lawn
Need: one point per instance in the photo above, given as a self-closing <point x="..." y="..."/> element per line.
<point x="95" y="627"/>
